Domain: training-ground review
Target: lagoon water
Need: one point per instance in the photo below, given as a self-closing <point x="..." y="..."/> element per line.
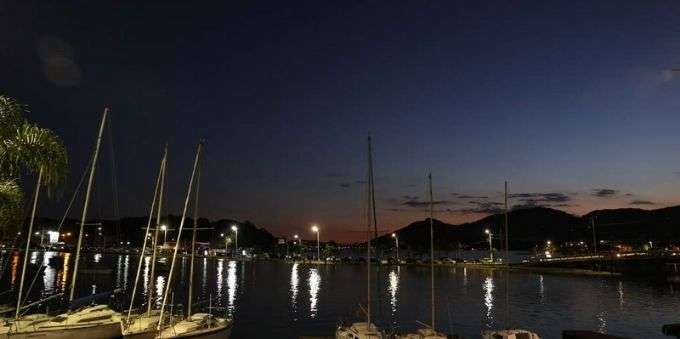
<point x="288" y="300"/>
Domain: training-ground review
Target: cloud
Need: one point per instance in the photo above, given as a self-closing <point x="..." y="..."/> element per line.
<point x="535" y="198"/>
<point x="550" y="199"/>
<point x="563" y="205"/>
<point x="334" y="175"/>
<point x="473" y="197"/>
<point x="418" y="203"/>
<point x="604" y="192"/>
<point x="642" y="202"/>
<point x="410" y="197"/>
<point x="344" y="184"/>
<point x="481" y="207"/>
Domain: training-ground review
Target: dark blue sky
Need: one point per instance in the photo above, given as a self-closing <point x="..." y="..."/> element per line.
<point x="573" y="102"/>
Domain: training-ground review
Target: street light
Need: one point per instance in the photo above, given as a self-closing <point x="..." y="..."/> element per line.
<point x="315" y="229"/>
<point x="234" y="228"/>
<point x="165" y="233"/>
<point x="396" y="239"/>
<point x="488" y="232"/>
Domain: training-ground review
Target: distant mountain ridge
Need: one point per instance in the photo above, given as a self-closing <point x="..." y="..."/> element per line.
<point x="529" y="227"/>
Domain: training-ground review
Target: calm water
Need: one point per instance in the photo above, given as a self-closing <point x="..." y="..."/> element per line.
<point x="286" y="300"/>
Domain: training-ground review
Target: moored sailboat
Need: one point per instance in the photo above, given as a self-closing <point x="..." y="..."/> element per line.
<point x="429" y="332"/>
<point x="508" y="333"/>
<point x="94" y="321"/>
<point x="198" y="325"/>
<point x="365" y="330"/>
<point x="143" y="325"/>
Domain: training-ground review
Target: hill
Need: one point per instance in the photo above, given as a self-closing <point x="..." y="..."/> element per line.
<point x="533" y="226"/>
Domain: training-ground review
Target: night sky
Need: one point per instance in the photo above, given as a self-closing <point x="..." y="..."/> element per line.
<point x="572" y="102"/>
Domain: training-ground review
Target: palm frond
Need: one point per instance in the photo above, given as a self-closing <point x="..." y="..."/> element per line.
<point x="11" y="200"/>
<point x="10" y="116"/>
<point x="32" y="147"/>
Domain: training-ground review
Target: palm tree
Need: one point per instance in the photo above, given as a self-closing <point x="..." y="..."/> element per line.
<point x="25" y="148"/>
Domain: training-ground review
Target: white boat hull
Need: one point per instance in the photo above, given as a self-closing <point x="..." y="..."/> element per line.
<point x="223" y="332"/>
<point x="103" y="331"/>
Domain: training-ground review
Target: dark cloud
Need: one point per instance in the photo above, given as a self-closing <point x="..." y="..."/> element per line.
<point x="361" y="182"/>
<point x="418" y="203"/>
<point x="552" y="199"/>
<point x="481" y="207"/>
<point x="604" y="192"/>
<point x="629" y="194"/>
<point x="537" y="198"/>
<point x="642" y="202"/>
<point x="473" y="197"/>
<point x="563" y="205"/>
<point x="344" y="184"/>
<point x="410" y="197"/>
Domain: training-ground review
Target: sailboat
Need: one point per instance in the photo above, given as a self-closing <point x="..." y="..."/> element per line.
<point x="365" y="330"/>
<point x="143" y="325"/>
<point x="428" y="332"/>
<point x="508" y="333"/>
<point x="94" y="321"/>
<point x="198" y="325"/>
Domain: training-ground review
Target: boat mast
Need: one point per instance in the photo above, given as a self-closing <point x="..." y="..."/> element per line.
<point x="431" y="251"/>
<point x="155" y="233"/>
<point x="28" y="242"/>
<point x="85" y="205"/>
<point x="368" y="233"/>
<point x="193" y="243"/>
<point x="507" y="261"/>
<point x="146" y="236"/>
<point x="371" y="184"/>
<point x="507" y="246"/>
<point x="179" y="235"/>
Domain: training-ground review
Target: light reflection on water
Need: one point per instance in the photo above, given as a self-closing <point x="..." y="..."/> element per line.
<point x="602" y="319"/>
<point x="488" y="287"/>
<point x="145" y="275"/>
<point x="160" y="288"/>
<point x="467" y="298"/>
<point x="393" y="287"/>
<point x="541" y="288"/>
<point x="219" y="280"/>
<point x="119" y="272"/>
<point x="294" y="281"/>
<point x="49" y="276"/>
<point x="126" y="271"/>
<point x="65" y="271"/>
<point x="314" y="285"/>
<point x="231" y="287"/>
<point x="204" y="277"/>
<point x="620" y="291"/>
